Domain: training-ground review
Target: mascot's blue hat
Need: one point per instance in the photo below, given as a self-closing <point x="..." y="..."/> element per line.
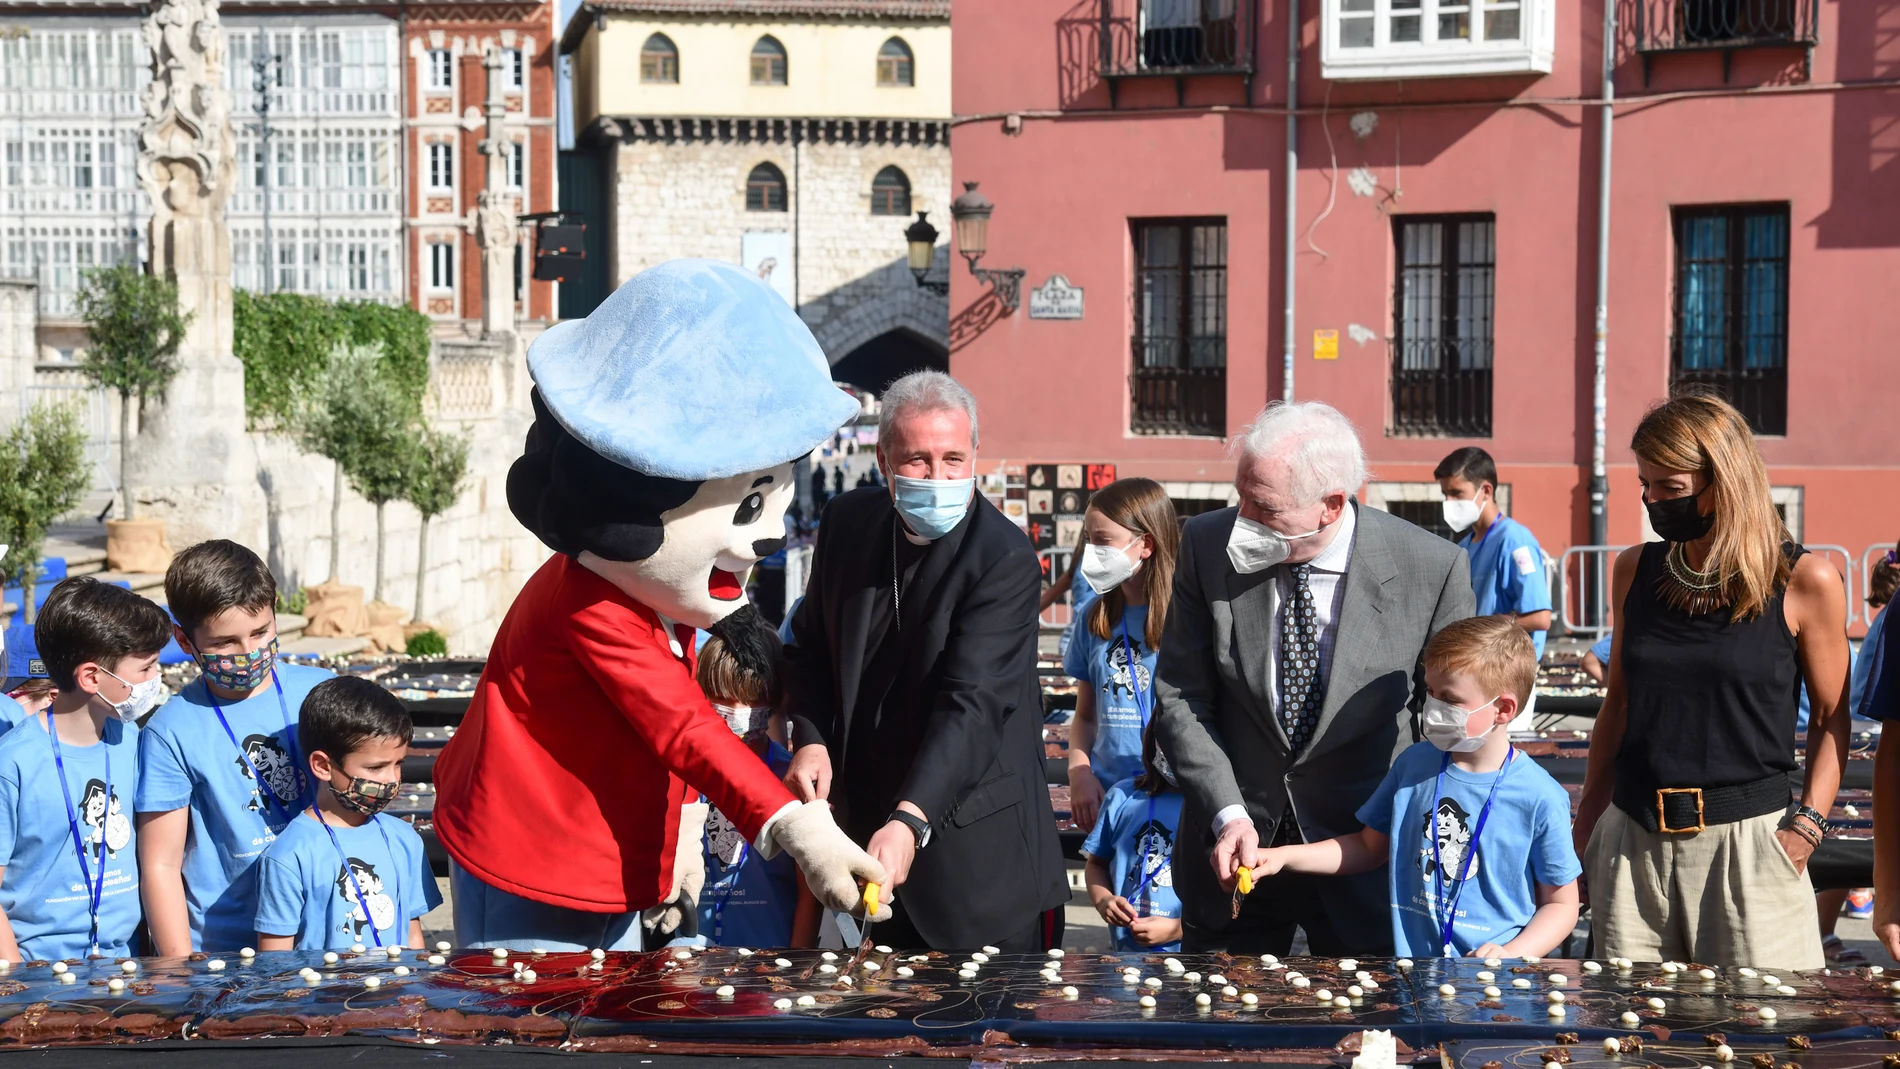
<point x="692" y="370"/>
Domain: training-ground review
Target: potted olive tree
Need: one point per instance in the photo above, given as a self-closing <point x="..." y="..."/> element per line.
<point x="133" y="330"/>
<point x="43" y="476"/>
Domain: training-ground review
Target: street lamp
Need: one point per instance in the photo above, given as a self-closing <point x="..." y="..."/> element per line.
<point x="922" y="238"/>
<point x="265" y="70"/>
<point x="971" y="213"/>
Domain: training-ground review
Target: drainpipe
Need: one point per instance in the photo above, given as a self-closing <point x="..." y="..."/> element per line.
<point x="1599" y="476"/>
<point x="1292" y="181"/>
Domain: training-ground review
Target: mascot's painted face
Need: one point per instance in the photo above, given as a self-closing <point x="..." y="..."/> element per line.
<point x="707" y="545"/>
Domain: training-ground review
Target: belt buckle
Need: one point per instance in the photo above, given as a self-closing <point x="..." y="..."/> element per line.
<point x="1662" y="814"/>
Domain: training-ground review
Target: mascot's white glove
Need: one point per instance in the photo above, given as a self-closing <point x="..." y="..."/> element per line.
<point x="689" y="873"/>
<point x="832" y="863"/>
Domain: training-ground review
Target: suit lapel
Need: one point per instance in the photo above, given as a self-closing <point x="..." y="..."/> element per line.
<point x="1356" y="637"/>
<point x="1250" y="601"/>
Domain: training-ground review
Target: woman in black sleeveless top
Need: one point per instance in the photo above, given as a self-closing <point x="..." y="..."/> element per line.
<point x="1693" y="847"/>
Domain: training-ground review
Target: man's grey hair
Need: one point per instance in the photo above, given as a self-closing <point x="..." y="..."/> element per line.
<point x="924" y="391"/>
<point x="1319" y="445"/>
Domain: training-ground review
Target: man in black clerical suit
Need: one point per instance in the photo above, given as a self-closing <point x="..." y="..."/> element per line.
<point x="911" y="687"/>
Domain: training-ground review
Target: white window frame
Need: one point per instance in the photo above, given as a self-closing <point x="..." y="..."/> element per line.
<point x="515" y="80"/>
<point x="441" y="266"/>
<point x="1532" y="51"/>
<point x="439" y="70"/>
<point x="441" y="158"/>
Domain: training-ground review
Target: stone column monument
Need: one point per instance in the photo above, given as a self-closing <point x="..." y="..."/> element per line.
<point x="194" y="465"/>
<point x="495" y="211"/>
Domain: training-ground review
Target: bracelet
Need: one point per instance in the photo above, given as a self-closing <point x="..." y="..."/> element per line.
<point x="1815" y="817"/>
<point x="1812" y="837"/>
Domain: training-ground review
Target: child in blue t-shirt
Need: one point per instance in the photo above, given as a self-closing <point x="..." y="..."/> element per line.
<point x="746" y="901"/>
<point x="341" y="875"/>
<point x="1130" y="857"/>
<point x="71" y="872"/>
<point x="220" y="770"/>
<point x="1477" y="836"/>
<point x="1130" y="540"/>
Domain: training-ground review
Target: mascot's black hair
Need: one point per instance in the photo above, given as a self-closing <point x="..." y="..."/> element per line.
<point x="574" y="499"/>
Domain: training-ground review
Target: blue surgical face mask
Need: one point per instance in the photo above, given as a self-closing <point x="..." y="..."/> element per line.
<point x="932" y="507"/>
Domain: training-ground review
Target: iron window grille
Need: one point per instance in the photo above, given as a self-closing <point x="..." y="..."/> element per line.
<point x="1179" y="381"/>
<point x="1731" y="308"/>
<point x="890" y="193"/>
<point x="1724" y="26"/>
<point x="1442" y="350"/>
<point x="894" y="64"/>
<point x="765" y="189"/>
<point x="768" y="62"/>
<point x="660" y="60"/>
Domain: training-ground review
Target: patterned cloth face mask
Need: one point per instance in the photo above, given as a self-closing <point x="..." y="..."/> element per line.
<point x="366" y="796"/>
<point x="238" y="671"/>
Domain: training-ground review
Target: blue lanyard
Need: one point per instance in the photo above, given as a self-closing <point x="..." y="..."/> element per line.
<point x="361" y="898"/>
<point x="72" y="821"/>
<point x="1148" y="873"/>
<point x="290" y="740"/>
<point x="1448" y="907"/>
<point x="1479" y="543"/>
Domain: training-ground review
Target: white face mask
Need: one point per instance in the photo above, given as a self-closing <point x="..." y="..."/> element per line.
<point x="1256" y="547"/>
<point x="1445" y="726"/>
<point x="1460" y="515"/>
<point x="746" y="721"/>
<point x="143" y="697"/>
<point x="1107" y="567"/>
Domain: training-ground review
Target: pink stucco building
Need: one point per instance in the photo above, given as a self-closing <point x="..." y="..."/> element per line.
<point x="1445" y="235"/>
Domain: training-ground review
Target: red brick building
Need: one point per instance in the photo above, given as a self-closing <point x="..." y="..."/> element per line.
<point x="1445" y="237"/>
<point x="445" y="86"/>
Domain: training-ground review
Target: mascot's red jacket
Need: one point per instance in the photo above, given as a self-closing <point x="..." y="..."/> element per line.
<point x="579" y="808"/>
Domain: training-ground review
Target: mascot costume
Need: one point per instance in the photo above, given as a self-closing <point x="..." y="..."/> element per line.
<point x="658" y="469"/>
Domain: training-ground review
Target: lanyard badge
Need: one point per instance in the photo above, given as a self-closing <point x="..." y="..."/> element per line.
<point x="96" y="885"/>
<point x="1447" y="904"/>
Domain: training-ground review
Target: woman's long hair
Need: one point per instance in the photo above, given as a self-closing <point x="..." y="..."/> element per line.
<point x="1705" y="434"/>
<point x="1142" y="506"/>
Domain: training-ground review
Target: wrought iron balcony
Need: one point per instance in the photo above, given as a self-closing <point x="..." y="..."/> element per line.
<point x="1175" y="39"/>
<point x="1179" y="400"/>
<point x="1724" y="26"/>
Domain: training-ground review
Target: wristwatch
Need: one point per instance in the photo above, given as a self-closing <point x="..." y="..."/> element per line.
<point x="1814" y="815"/>
<point x="918" y="826"/>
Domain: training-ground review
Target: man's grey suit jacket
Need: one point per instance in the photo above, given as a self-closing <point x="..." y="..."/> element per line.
<point x="1220" y="729"/>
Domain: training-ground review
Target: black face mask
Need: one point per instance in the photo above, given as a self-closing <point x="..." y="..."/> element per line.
<point x="1677" y="519"/>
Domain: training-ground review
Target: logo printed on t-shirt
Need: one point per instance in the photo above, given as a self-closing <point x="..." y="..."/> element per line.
<point x="1154" y="852"/>
<point x="1122" y="677"/>
<point x="724" y="838"/>
<point x="108" y="828"/>
<point x="272" y="762"/>
<point x="1451" y="828"/>
<point x="381" y="907"/>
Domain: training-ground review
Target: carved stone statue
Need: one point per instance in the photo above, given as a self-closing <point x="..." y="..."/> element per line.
<point x="193" y="456"/>
<point x="495" y="223"/>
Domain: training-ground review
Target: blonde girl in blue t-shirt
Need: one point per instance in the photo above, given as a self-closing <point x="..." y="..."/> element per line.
<point x="1130" y="541"/>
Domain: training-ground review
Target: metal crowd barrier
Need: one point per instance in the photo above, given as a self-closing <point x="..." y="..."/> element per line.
<point x="1583" y="588"/>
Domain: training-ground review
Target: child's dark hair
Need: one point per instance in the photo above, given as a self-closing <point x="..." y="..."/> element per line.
<point x="752" y="679"/>
<point x="340" y="715"/>
<point x="1151" y="779"/>
<point x="87" y="620"/>
<point x="212" y="577"/>
<point x="1883" y="581"/>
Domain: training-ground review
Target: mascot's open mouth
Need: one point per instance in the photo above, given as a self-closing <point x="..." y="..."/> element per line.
<point x="724" y="585"/>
